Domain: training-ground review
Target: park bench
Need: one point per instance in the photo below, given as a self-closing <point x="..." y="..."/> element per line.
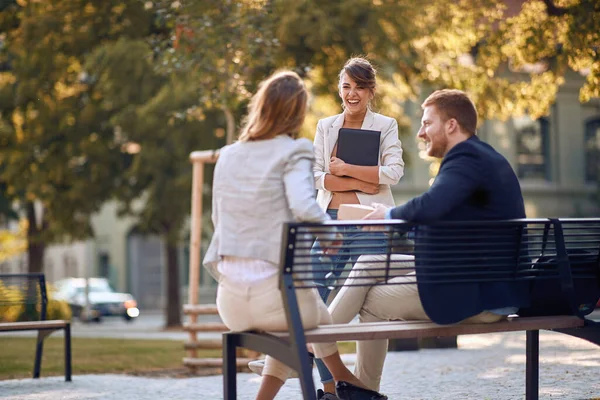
<point x="558" y="260"/>
<point x="26" y="294"/>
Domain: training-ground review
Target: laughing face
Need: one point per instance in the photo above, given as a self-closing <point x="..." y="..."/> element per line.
<point x="433" y="132"/>
<point x="355" y="97"/>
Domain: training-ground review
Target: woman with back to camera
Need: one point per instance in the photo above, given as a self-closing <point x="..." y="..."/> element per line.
<point x="261" y="182"/>
<point x="342" y="183"/>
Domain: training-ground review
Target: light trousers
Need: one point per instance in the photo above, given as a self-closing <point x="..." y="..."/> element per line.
<point x="259" y="306"/>
<point x="397" y="301"/>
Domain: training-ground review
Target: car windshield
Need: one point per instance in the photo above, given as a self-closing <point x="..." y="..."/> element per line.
<point x="94" y="289"/>
<point x="95" y="285"/>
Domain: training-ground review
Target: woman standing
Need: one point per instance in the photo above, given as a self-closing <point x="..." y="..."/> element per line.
<point x="261" y="182"/>
<point x="341" y="183"/>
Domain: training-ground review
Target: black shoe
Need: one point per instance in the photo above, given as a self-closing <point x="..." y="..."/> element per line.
<point x="348" y="391"/>
<point x="321" y="395"/>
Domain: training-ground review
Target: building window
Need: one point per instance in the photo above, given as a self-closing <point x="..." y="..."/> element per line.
<point x="592" y="151"/>
<point x="533" y="148"/>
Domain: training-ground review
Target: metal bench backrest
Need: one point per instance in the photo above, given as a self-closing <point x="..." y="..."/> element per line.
<point x="451" y="252"/>
<point x="23" y="297"/>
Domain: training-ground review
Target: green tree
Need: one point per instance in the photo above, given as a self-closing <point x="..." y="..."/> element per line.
<point x="166" y="128"/>
<point x="159" y="128"/>
<point x="512" y="60"/>
<point x="59" y="151"/>
<point x="227" y="46"/>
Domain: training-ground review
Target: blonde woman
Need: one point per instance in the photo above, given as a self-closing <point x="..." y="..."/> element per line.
<point x="261" y="182"/>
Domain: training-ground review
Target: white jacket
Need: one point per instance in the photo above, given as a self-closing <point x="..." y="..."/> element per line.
<point x="257" y="187"/>
<point x="391" y="165"/>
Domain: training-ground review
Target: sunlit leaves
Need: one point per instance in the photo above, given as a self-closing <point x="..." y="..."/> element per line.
<point x="13" y="243"/>
<point x="546" y="40"/>
<point x="592" y="87"/>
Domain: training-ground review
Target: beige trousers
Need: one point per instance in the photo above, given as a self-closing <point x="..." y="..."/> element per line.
<point x="259" y="306"/>
<point x="382" y="303"/>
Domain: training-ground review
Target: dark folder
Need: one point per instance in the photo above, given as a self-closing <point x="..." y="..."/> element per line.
<point x="358" y="146"/>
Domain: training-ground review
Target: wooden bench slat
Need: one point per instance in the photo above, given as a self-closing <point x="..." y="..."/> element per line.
<point x="32" y="325"/>
<point x="200" y="309"/>
<point x="205" y="344"/>
<point x="205" y="327"/>
<point x="416" y="329"/>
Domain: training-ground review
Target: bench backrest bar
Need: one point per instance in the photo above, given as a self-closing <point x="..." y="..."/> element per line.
<point x="448" y="252"/>
<point x="23" y="297"/>
<point x="465" y="263"/>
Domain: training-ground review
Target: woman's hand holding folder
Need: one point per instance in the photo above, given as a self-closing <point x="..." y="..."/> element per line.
<point x="369" y="175"/>
<point x="337" y="166"/>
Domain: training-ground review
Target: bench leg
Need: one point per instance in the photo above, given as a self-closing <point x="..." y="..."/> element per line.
<point x="39" y="349"/>
<point x="532" y="365"/>
<point x="68" y="353"/>
<point x="306" y="377"/>
<point x="229" y="369"/>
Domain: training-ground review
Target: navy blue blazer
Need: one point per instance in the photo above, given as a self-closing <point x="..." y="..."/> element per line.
<point x="474" y="182"/>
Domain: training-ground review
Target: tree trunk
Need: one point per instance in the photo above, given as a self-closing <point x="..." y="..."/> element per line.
<point x="35" y="243"/>
<point x="173" y="306"/>
<point x="230" y="125"/>
<point x="35" y="262"/>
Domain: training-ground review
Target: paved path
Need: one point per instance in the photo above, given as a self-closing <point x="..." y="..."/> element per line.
<point x="488" y="367"/>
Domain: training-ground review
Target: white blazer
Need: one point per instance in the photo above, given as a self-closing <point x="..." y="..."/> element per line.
<point x="391" y="165"/>
<point x="257" y="187"/>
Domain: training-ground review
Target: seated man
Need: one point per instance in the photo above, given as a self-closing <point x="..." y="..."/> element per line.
<point x="474" y="182"/>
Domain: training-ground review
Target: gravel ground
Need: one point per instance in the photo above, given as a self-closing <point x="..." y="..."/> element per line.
<point x="490" y="366"/>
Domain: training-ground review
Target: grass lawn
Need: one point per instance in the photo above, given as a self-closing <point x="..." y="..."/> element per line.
<point x="92" y="356"/>
<point x="98" y="356"/>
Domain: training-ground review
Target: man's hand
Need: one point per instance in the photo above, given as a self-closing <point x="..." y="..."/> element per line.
<point x="378" y="213"/>
<point x="337" y="166"/>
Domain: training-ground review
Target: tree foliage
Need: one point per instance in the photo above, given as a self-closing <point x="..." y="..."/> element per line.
<point x="63" y="153"/>
<point x="226" y="46"/>
<point x="13" y="243"/>
<point x="513" y="60"/>
<point x="160" y="122"/>
<point x="511" y="56"/>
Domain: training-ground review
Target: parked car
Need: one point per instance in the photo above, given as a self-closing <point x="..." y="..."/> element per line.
<point x="103" y="300"/>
